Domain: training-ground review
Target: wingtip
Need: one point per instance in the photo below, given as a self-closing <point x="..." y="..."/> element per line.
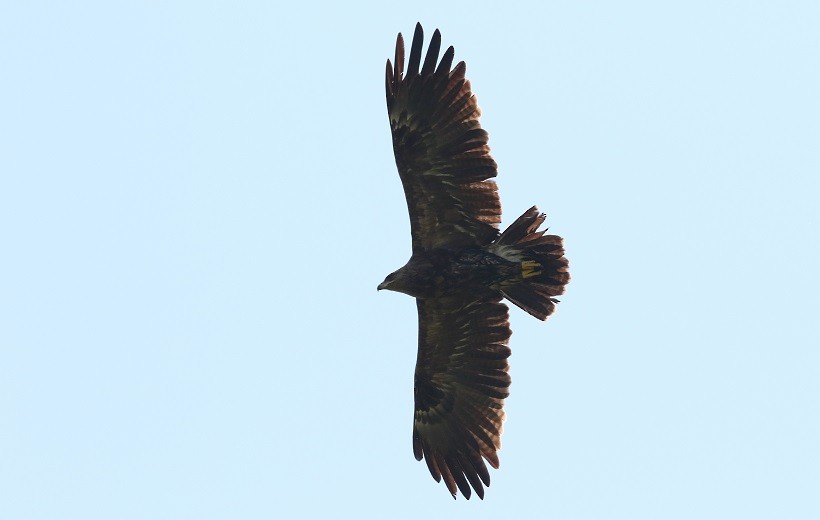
<point x="418" y="33"/>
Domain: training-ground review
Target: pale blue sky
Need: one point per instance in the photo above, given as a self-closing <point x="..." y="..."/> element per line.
<point x="197" y="201"/>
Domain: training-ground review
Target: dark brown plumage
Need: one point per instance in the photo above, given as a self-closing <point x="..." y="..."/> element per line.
<point x="461" y="267"/>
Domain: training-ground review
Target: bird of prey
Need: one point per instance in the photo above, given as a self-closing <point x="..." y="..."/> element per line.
<point x="461" y="265"/>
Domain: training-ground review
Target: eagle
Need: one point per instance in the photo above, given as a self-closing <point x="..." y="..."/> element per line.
<point x="461" y="267"/>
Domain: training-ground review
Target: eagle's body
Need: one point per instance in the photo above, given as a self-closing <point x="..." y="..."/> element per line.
<point x="461" y="267"/>
<point x="444" y="272"/>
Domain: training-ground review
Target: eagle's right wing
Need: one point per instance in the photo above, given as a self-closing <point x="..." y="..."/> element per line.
<point x="460" y="384"/>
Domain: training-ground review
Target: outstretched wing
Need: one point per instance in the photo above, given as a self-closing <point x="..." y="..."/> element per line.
<point x="460" y="385"/>
<point x="441" y="150"/>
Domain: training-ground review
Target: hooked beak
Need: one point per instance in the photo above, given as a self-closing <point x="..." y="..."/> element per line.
<point x="381" y="286"/>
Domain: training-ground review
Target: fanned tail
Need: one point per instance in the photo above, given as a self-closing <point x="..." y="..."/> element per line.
<point x="544" y="271"/>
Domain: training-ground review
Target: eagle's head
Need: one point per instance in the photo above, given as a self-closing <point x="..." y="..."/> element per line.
<point x="394" y="281"/>
<point x="408" y="280"/>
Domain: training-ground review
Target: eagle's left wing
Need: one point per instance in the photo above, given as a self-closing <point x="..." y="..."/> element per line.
<point x="441" y="150"/>
<point x="460" y="384"/>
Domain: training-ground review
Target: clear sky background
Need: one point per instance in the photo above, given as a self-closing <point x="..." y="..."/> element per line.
<point x="197" y="201"/>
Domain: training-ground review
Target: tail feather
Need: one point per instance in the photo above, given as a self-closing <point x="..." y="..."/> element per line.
<point x="544" y="269"/>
